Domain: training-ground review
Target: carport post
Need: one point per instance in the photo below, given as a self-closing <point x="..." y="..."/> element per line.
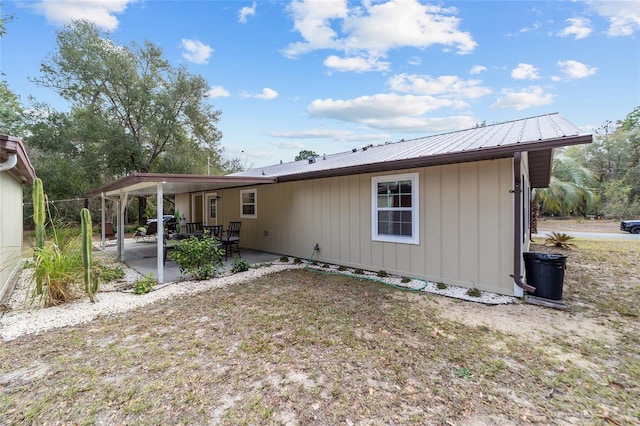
<point x="160" y="241"/>
<point x="103" y="235"/>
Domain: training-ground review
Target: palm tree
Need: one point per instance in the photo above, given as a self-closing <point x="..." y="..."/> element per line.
<point x="570" y="189"/>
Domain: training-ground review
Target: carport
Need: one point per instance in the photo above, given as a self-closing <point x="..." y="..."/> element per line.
<point x="161" y="184"/>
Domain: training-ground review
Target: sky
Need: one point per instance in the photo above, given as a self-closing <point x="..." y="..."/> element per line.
<point x="332" y="75"/>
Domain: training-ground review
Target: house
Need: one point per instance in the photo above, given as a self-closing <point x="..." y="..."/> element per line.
<point x="450" y="208"/>
<point x="15" y="171"/>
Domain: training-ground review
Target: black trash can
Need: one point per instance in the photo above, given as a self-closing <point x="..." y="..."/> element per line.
<point x="546" y="273"/>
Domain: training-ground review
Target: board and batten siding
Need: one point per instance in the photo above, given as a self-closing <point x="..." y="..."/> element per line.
<point x="466" y="224"/>
<point x="10" y="229"/>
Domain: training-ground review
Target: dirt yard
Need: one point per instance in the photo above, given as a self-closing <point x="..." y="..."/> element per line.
<point x="300" y="348"/>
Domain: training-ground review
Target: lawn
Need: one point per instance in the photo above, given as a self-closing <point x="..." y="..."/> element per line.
<point x="301" y="347"/>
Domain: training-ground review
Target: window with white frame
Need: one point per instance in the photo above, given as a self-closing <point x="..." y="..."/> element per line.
<point x="249" y="203"/>
<point x="213" y="208"/>
<point x="395" y="213"/>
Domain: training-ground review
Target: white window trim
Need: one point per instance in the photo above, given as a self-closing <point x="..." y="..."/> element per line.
<point x="212" y="196"/>
<point x="255" y="203"/>
<point x="415" y="210"/>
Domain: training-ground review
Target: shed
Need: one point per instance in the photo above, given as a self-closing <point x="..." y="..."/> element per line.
<point x="15" y="171"/>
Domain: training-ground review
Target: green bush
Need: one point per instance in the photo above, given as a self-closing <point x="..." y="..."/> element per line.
<point x="239" y="265"/>
<point x="405" y="280"/>
<point x="382" y="274"/>
<point x="441" y="286"/>
<point x="358" y="271"/>
<point x="474" y="292"/>
<point x="108" y="274"/>
<point x="342" y="268"/>
<point x="284" y="259"/>
<point x="198" y="257"/>
<point x="144" y="285"/>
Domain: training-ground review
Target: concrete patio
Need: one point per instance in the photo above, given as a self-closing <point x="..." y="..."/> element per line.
<point x="141" y="256"/>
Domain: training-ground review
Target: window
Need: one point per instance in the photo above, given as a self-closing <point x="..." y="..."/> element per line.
<point x="248" y="203"/>
<point x="395" y="214"/>
<point x="213" y="208"/>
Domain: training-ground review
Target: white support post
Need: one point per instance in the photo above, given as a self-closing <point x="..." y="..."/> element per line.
<point x="103" y="235"/>
<point x="160" y="240"/>
<point x="121" y="208"/>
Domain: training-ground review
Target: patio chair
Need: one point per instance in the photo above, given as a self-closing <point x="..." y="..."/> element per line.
<point x="194" y="228"/>
<point x="166" y="246"/>
<point x="151" y="230"/>
<point x="231" y="239"/>
<point x="214" y="230"/>
<point x="109" y="234"/>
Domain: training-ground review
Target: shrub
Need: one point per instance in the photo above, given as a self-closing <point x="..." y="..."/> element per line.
<point x="405" y="280"/>
<point x="144" y="285"/>
<point x="358" y="271"/>
<point x="58" y="269"/>
<point x="342" y="268"/>
<point x="108" y="274"/>
<point x="382" y="274"/>
<point x="441" y="286"/>
<point x="199" y="257"/>
<point x="557" y="239"/>
<point x="284" y="259"/>
<point x="297" y="261"/>
<point x="474" y="292"/>
<point x="239" y="265"/>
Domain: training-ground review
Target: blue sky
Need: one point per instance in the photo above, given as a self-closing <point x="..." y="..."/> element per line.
<point x="329" y="75"/>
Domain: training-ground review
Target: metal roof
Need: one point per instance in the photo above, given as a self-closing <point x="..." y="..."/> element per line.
<point x="536" y="135"/>
<point x="145" y="184"/>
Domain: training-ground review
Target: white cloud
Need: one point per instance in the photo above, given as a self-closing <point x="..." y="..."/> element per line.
<point x="338" y="135"/>
<point x="392" y="112"/>
<point x="195" y="51"/>
<point x="371" y="29"/>
<point x="267" y="94"/>
<point x="623" y="16"/>
<point x="578" y="28"/>
<point x="525" y="72"/>
<point x="357" y="64"/>
<point x="217" y="92"/>
<point x="448" y="86"/>
<point x="100" y="12"/>
<point x="245" y="12"/>
<point x="532" y="96"/>
<point x="287" y="144"/>
<point x="575" y="69"/>
<point x="477" y="69"/>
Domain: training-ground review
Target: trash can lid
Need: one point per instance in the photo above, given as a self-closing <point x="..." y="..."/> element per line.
<point x="543" y="256"/>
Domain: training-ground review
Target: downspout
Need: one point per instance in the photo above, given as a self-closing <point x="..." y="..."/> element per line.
<point x="517" y="218"/>
<point x="10" y="163"/>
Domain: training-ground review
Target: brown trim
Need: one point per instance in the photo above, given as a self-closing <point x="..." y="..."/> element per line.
<point x="517" y="218"/>
<point x="493" y="153"/>
<point x="24" y="170"/>
<point x="178" y="178"/>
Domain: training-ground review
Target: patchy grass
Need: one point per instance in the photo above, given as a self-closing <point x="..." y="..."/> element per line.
<point x="308" y="348"/>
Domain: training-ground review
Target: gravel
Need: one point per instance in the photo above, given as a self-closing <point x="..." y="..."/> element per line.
<point x="22" y="317"/>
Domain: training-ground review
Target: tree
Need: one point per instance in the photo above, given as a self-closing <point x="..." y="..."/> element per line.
<point x="131" y="111"/>
<point x="304" y="154"/>
<point x="614" y="159"/>
<point x="10" y="109"/>
<point x="570" y="189"/>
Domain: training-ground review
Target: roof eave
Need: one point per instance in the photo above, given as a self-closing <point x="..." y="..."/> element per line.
<point x="140" y="179"/>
